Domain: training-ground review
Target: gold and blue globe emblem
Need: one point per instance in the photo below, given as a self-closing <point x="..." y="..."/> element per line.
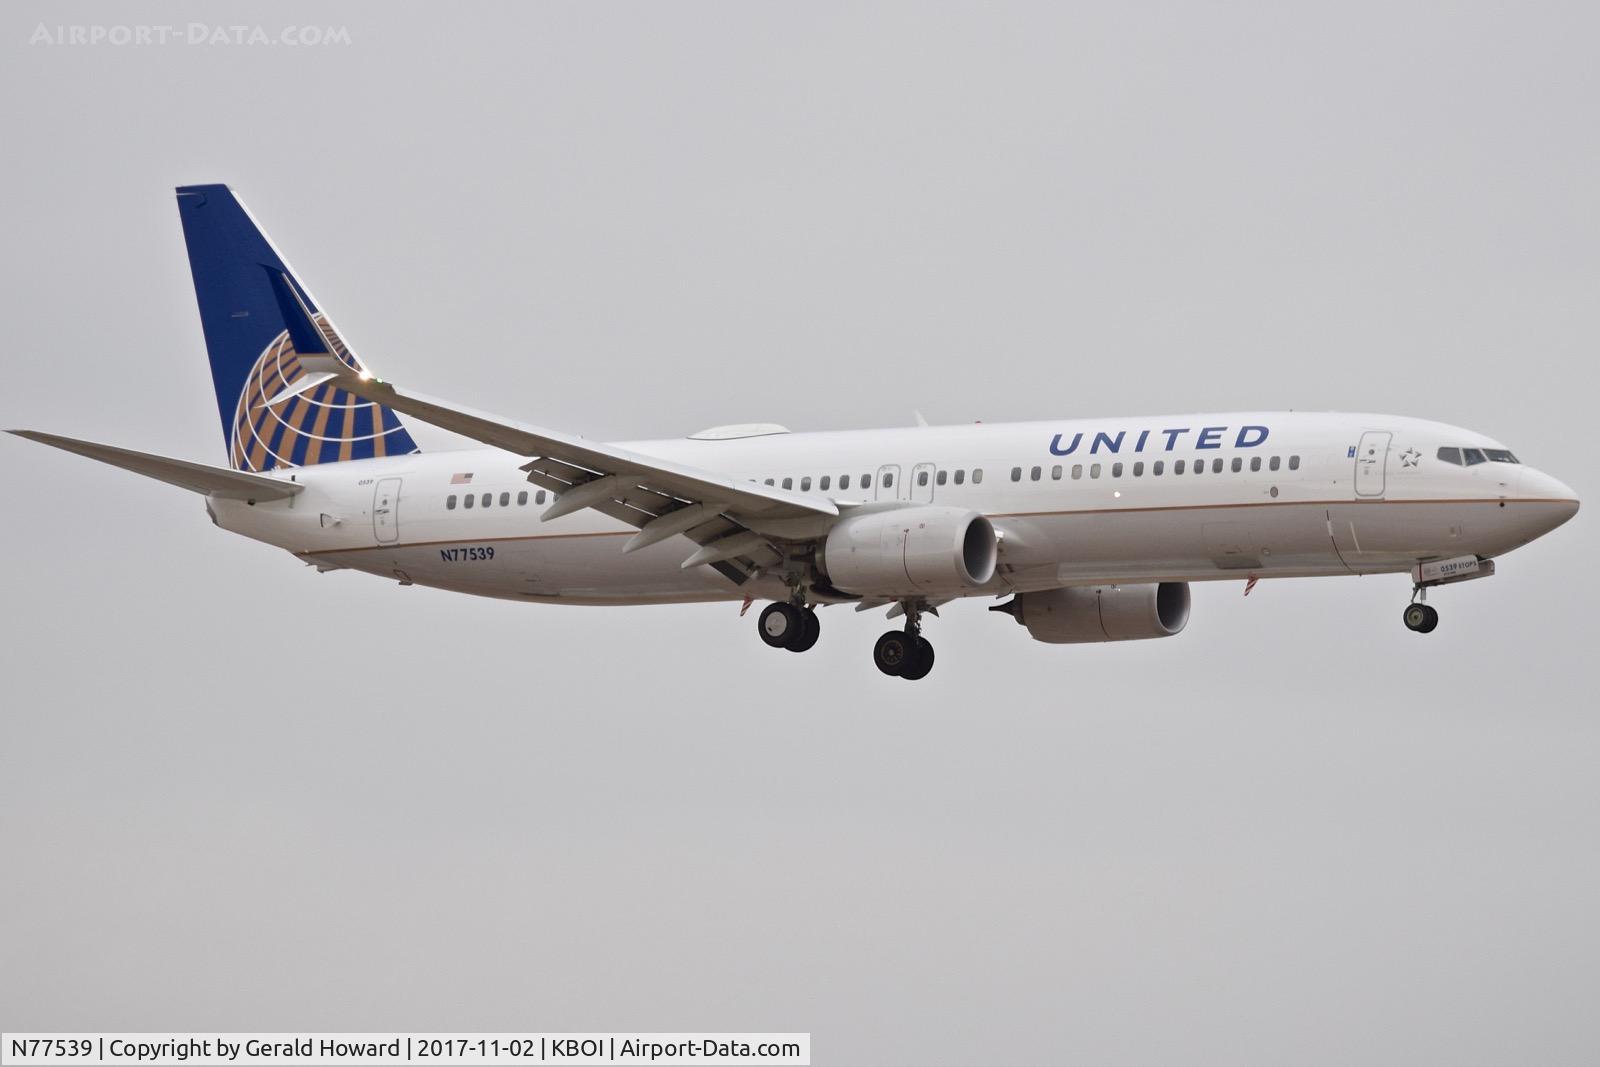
<point x="321" y="425"/>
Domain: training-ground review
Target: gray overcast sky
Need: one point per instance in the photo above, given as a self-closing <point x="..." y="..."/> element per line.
<point x="238" y="795"/>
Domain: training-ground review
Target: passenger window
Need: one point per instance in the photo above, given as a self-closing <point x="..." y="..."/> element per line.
<point x="1216" y="465"/>
<point x="450" y="502"/>
<point x="1473" y="456"/>
<point x="1255" y="463"/>
<point x="1177" y="466"/>
<point x="1077" y="471"/>
<point x="866" y="481"/>
<point x="1033" y="475"/>
<point x="805" y="484"/>
<point x="1199" y="466"/>
<point x="522" y="499"/>
<point x="1116" y="469"/>
<point x="1157" y="467"/>
<point x="823" y="485"/>
<point x="1450" y="455"/>
<point x="538" y="497"/>
<point x="1238" y="464"/>
<point x="488" y="498"/>
<point x="1055" y="473"/>
<point x="1016" y="474"/>
<point x="961" y="475"/>
<point x="888" y="480"/>
<point x="505" y="500"/>
<point x="1272" y="464"/>
<point x="940" y="478"/>
<point x="844" y="481"/>
<point x="467" y="500"/>
<point x="1094" y="470"/>
<point x="977" y="475"/>
<point x="1138" y="469"/>
<point x="788" y="483"/>
<point x="1294" y="463"/>
<point x="922" y="479"/>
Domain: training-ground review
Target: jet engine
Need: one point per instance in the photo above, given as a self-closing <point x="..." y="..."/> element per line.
<point x="1102" y="612"/>
<point x="905" y="552"/>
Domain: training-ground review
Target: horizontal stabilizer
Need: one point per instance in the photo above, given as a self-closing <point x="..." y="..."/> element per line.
<point x="195" y="477"/>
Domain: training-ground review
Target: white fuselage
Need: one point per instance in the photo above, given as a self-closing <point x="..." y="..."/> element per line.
<point x="1321" y="494"/>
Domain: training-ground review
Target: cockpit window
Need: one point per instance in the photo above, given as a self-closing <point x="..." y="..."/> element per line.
<point x="1471" y="457"/>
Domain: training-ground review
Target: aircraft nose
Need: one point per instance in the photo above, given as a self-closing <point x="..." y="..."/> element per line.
<point x="1555" y="498"/>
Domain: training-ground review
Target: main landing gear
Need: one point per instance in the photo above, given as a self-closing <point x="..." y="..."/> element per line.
<point x="790" y="626"/>
<point x="898" y="653"/>
<point x="905" y="653"/>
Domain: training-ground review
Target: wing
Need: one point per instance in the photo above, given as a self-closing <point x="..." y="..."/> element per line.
<point x="739" y="525"/>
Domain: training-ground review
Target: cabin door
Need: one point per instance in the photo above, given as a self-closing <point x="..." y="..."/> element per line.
<point x="386" y="511"/>
<point x="1372" y="456"/>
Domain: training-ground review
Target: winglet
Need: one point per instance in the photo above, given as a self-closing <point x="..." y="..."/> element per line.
<point x="306" y="383"/>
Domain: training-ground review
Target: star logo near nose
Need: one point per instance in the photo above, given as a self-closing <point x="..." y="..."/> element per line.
<point x="1410" y="457"/>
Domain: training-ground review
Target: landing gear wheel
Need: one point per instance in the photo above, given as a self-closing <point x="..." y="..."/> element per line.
<point x="919" y="667"/>
<point x="810" y="630"/>
<point x="894" y="652"/>
<point x="780" y="625"/>
<point x="1421" y="618"/>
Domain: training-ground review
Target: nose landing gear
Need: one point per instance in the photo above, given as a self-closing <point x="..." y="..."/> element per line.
<point x="1420" y="618"/>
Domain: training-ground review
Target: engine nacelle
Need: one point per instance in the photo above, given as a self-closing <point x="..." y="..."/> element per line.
<point x="910" y="552"/>
<point x="1102" y="612"/>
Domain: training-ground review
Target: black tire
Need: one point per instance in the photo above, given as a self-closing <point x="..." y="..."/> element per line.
<point x="810" y="630"/>
<point x="780" y="624"/>
<point x="893" y="652"/>
<point x="1431" y="623"/>
<point x="1416" y="617"/>
<point x="920" y="667"/>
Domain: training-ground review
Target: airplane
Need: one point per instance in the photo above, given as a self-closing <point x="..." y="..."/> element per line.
<point x="1094" y="529"/>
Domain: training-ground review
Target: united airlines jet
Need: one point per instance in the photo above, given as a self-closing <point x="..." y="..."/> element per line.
<point x="1092" y="528"/>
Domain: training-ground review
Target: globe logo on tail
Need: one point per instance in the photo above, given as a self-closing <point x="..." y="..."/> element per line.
<point x="321" y="425"/>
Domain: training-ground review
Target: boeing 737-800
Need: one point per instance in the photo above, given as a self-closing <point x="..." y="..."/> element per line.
<point x="1093" y="528"/>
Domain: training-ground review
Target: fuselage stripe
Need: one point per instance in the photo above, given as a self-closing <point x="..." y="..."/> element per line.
<point x="998" y="515"/>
